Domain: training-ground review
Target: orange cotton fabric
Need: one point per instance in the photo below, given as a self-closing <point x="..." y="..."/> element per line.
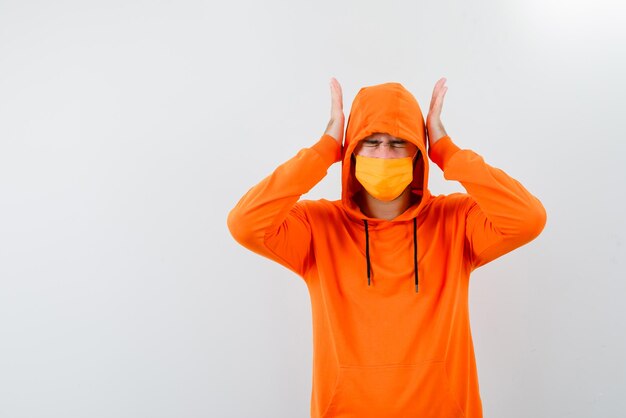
<point x="389" y="349"/>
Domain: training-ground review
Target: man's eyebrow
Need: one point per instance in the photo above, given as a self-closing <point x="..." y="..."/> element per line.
<point x="382" y="139"/>
<point x="394" y="140"/>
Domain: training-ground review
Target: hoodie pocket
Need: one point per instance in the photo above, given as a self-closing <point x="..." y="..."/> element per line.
<point x="393" y="391"/>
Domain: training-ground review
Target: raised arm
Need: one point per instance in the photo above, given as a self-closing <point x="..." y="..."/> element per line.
<point x="268" y="219"/>
<point x="500" y="214"/>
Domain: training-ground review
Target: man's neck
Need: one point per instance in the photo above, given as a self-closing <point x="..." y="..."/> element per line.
<point x="375" y="208"/>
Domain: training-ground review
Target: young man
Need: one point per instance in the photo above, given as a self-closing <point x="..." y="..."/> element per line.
<point x="387" y="267"/>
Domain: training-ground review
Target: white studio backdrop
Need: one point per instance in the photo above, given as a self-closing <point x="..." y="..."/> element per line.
<point x="129" y="129"/>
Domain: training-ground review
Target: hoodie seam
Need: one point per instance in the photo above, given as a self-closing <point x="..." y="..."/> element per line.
<point x="450" y="391"/>
<point x="307" y="262"/>
<point x="322" y="148"/>
<point x="291" y="266"/>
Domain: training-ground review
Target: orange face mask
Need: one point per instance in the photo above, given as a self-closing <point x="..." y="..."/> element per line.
<point x="384" y="178"/>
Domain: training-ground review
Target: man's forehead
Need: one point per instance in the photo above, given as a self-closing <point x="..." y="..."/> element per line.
<point x="382" y="136"/>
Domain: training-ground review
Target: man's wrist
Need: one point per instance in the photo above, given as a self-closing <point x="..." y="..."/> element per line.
<point x="436" y="134"/>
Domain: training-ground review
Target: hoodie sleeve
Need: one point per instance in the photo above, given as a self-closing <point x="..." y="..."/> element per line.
<point x="270" y="221"/>
<point x="501" y="214"/>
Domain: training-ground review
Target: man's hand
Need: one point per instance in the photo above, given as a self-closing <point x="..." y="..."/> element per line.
<point x="335" y="126"/>
<point x="434" y="127"/>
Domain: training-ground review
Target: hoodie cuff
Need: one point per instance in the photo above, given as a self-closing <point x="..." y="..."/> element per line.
<point x="442" y="151"/>
<point x="328" y="148"/>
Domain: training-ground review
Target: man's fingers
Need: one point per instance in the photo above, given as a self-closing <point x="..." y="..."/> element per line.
<point x="332" y="94"/>
<point x="437" y="91"/>
<point x="442" y="93"/>
<point x="336" y="99"/>
<point x="437" y="103"/>
<point x="337" y="93"/>
<point x="340" y="94"/>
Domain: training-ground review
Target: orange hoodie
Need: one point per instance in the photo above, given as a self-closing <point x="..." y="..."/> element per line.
<point x="389" y="299"/>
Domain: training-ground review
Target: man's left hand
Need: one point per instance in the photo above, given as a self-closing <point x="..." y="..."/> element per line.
<point x="434" y="127"/>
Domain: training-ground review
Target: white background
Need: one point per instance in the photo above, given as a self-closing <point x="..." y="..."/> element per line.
<point x="129" y="129"/>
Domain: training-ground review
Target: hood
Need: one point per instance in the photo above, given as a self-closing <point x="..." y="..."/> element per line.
<point x="391" y="109"/>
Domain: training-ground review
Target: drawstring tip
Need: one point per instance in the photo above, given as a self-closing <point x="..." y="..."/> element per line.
<point x="415" y="287"/>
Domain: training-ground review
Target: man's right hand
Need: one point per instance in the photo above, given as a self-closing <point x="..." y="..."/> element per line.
<point x="335" y="126"/>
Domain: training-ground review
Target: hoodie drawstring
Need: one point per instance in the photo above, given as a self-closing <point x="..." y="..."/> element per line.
<point x="415" y="250"/>
<point x="367" y="252"/>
